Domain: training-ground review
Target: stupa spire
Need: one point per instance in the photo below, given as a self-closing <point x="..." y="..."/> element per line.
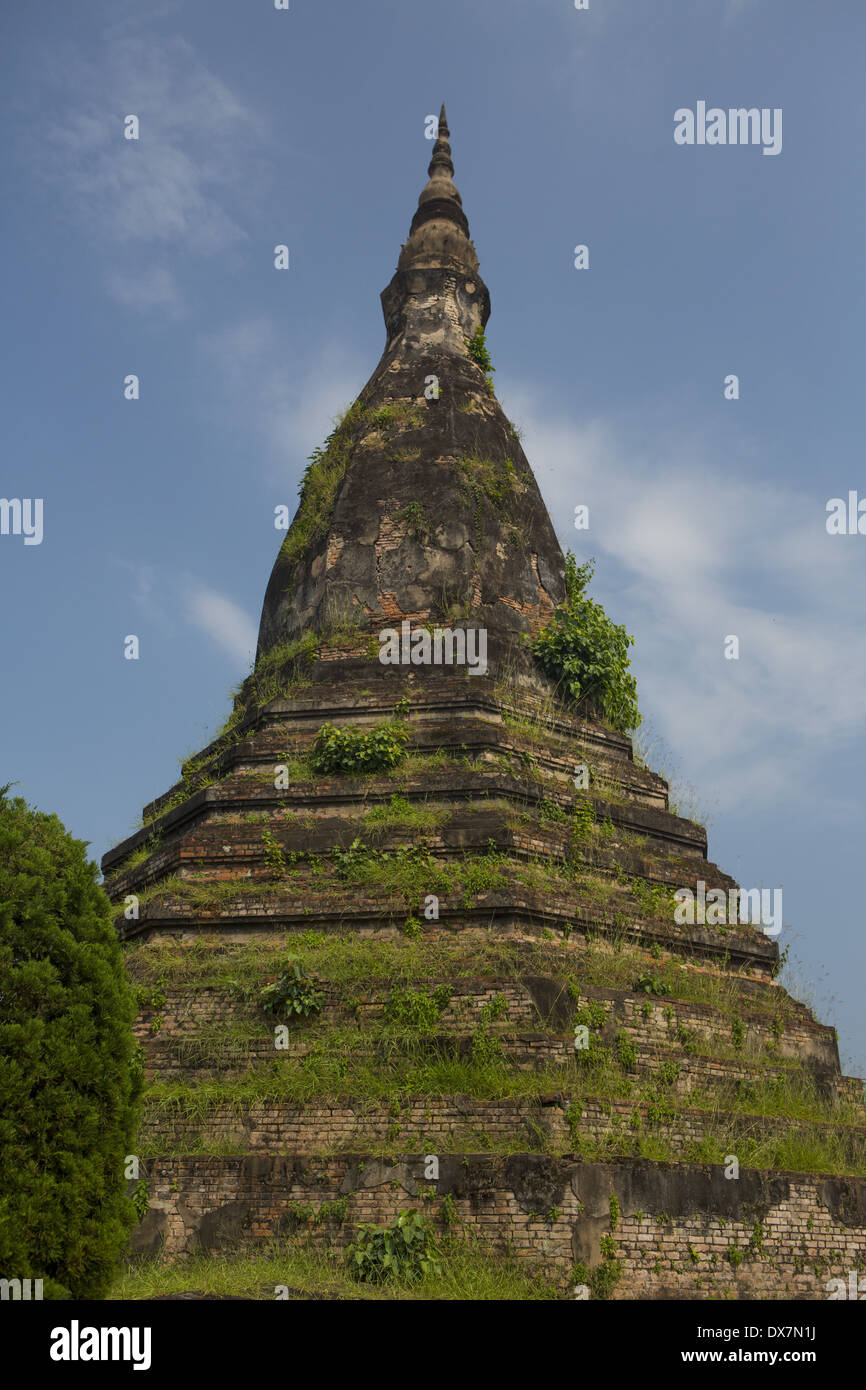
<point x="439" y="198"/>
<point x="437" y="284"/>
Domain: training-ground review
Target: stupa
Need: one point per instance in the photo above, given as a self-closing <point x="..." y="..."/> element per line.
<point x="456" y="887"/>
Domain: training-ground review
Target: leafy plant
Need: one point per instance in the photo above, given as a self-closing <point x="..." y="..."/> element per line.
<point x="357" y="751"/>
<point x="486" y="1050"/>
<point x="587" y="654"/>
<point x="448" y="1210"/>
<point x="626" y="1051"/>
<point x="493" y="1009"/>
<point x="406" y="1250"/>
<point x="293" y="995"/>
<point x="274" y="857"/>
<point x="413" y="1009"/>
<point x="476" y="346"/>
<point x="648" y="984"/>
<point x="591" y="1014"/>
<point x="140" y="1199"/>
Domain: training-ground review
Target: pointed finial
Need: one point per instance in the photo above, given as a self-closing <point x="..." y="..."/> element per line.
<point x="439" y="198"/>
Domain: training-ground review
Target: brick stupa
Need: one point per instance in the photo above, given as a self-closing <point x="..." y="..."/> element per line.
<point x="463" y="912"/>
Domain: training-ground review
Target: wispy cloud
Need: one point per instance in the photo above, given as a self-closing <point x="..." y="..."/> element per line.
<point x="163" y="597"/>
<point x="290" y="407"/>
<point x="223" y="621"/>
<point x="690" y="550"/>
<point x="178" y="185"/>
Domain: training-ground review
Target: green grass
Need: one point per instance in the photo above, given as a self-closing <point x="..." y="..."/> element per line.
<point x="401" y="814"/>
<point x="348" y="962"/>
<point x="469" y="1272"/>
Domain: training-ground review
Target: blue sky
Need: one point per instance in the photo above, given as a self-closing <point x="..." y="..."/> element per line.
<point x="306" y="127"/>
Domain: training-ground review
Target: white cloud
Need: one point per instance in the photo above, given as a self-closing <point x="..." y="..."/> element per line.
<point x="291" y="410"/>
<point x="224" y="621"/>
<point x="176" y="188"/>
<point x="170" y="185"/>
<point x="163" y="597"/>
<point x="691" y="549"/>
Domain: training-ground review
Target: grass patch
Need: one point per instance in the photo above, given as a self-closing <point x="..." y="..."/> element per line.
<point x="470" y="1271"/>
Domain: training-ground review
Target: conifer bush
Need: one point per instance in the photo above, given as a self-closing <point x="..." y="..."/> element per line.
<point x="69" y="1069"/>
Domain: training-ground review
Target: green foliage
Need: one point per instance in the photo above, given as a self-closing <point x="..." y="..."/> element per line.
<point x="591" y="1014"/>
<point x="587" y="654"/>
<point x="358" y="751"/>
<point x="476" y="346"/>
<point x="738" y="1032"/>
<point x="735" y="1256"/>
<point x="649" y="984"/>
<point x="318" y="488"/>
<point x="404" y="1250"/>
<point x="293" y="995"/>
<point x="140" y="1198"/>
<point x="626" y="1051"/>
<point x="494" y="1009"/>
<point x="657" y="901"/>
<point x="274" y="857"/>
<point x="414" y="517"/>
<point x="602" y="1280"/>
<point x="448" y="1210"/>
<point x="412" y="1008"/>
<point x="69" y="1081"/>
<point x="336" y="1210"/>
<point x="486" y="1049"/>
<point x="779" y="964"/>
<point x="583" y="820"/>
<point x="614" y="1212"/>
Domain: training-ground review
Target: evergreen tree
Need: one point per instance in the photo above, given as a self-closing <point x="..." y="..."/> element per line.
<point x="69" y="1070"/>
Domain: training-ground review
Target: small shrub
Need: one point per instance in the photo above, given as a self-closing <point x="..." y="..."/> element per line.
<point x="587" y="654"/>
<point x="494" y="1009"/>
<point x="626" y="1051"/>
<point x="448" y="1210"/>
<point x="406" y="1250"/>
<point x="648" y="984"/>
<point x="355" y="751"/>
<point x="411" y="1008"/>
<point x="591" y="1014"/>
<point x="293" y="994"/>
<point x="274" y="857"/>
<point x="486" y="1050"/>
<point x="476" y="346"/>
<point x="337" y="1210"/>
